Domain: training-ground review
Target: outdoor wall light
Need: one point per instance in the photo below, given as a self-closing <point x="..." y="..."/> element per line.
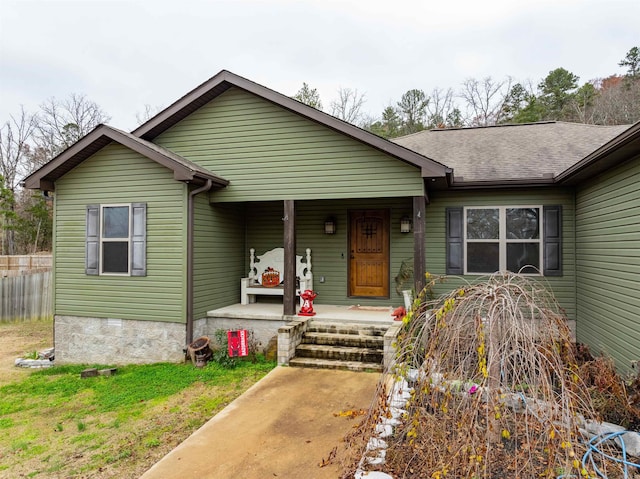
<point x="330" y="226"/>
<point x="405" y="224"/>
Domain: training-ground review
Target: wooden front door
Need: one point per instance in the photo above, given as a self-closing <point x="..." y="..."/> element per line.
<point x="369" y="253"/>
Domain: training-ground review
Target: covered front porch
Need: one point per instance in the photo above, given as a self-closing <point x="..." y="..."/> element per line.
<point x="375" y="249"/>
<point x="359" y="270"/>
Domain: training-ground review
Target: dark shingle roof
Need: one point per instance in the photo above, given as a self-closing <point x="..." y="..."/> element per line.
<point x="525" y="152"/>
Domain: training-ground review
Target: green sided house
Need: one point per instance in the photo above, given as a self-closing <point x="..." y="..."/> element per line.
<point x="163" y="234"/>
<point x="595" y="226"/>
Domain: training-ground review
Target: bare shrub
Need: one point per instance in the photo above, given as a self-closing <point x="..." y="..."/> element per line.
<point x="496" y="391"/>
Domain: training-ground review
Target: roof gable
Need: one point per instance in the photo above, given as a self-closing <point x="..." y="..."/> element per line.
<point x="224" y="80"/>
<point x="269" y="152"/>
<point x="101" y="136"/>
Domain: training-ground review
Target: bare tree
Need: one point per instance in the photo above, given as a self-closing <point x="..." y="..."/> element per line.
<point x="62" y="123"/>
<point x="15" y="135"/>
<point x="617" y="101"/>
<point x="148" y="113"/>
<point x="348" y="105"/>
<point x="614" y="100"/>
<point x="485" y="100"/>
<point x="441" y="109"/>
<point x="14" y="149"/>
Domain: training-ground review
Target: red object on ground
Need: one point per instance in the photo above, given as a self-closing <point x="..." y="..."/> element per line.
<point x="307" y="303"/>
<point x="399" y="313"/>
<point x="237" y="341"/>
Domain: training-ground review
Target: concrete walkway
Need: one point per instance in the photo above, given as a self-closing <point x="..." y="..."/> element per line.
<point x="282" y="427"/>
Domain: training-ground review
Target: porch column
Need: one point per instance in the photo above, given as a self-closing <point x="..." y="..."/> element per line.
<point x="289" y="300"/>
<point x="419" y="260"/>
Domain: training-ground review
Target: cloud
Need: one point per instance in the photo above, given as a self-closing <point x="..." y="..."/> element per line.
<point x="124" y="55"/>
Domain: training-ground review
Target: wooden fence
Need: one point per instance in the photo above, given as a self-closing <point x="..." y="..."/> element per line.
<point x="25" y="297"/>
<point x="24" y="264"/>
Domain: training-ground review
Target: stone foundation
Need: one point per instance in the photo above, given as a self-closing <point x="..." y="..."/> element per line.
<point x="117" y="341"/>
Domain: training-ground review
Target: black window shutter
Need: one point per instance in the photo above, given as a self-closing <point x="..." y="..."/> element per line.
<point x="138" y="239"/>
<point x="92" y="240"/>
<point x="455" y="241"/>
<point x="552" y="240"/>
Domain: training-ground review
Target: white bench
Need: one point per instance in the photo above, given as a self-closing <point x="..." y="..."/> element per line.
<point x="251" y="286"/>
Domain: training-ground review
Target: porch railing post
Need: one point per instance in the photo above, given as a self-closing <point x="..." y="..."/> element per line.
<point x="289" y="299"/>
<point x="419" y="261"/>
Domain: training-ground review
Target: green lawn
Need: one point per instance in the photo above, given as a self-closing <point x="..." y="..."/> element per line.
<point x="55" y="424"/>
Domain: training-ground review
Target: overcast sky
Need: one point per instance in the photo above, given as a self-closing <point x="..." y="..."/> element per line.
<point x="125" y="54"/>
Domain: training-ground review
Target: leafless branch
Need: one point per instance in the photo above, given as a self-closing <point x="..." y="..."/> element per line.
<point x="348" y="105"/>
<point x="485" y="99"/>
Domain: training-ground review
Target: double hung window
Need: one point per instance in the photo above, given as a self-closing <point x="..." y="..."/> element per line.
<point x="521" y="239"/>
<point x="503" y="238"/>
<point x="116" y="239"/>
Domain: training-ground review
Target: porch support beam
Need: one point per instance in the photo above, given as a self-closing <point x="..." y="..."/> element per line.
<point x="419" y="260"/>
<point x="289" y="300"/>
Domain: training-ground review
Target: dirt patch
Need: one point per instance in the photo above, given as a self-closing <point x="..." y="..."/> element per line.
<point x="19" y="339"/>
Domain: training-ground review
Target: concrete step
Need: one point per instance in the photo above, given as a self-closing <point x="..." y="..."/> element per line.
<point x="342" y="353"/>
<point x="340" y="339"/>
<point x="334" y="364"/>
<point x="351" y="346"/>
<point x="359" y="329"/>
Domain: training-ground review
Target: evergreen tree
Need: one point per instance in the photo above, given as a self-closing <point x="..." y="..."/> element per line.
<point x="413" y="108"/>
<point x="308" y="96"/>
<point x="632" y="62"/>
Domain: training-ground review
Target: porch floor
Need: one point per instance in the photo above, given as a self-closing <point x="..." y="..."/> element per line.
<point x="324" y="312"/>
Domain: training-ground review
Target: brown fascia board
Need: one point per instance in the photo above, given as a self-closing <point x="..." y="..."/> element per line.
<point x="623" y="147"/>
<point x="501" y="183"/>
<point x="221" y="82"/>
<point x="100" y="137"/>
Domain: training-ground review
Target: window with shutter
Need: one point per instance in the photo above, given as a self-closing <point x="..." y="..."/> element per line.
<point x="522" y="239"/>
<point x="116" y="239"/>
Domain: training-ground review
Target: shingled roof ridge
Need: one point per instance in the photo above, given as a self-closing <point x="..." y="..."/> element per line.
<point x="501" y="125"/>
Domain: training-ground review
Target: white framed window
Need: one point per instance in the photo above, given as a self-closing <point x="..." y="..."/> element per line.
<point x="503" y="238"/>
<point x="116" y="239"/>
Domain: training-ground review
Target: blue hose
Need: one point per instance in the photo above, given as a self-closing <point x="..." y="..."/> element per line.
<point x="592" y="447"/>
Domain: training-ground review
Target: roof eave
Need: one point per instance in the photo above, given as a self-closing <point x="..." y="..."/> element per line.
<point x="45" y="177"/>
<point x="622" y="147"/>
<point x="501" y="183"/>
<point x="42" y="176"/>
